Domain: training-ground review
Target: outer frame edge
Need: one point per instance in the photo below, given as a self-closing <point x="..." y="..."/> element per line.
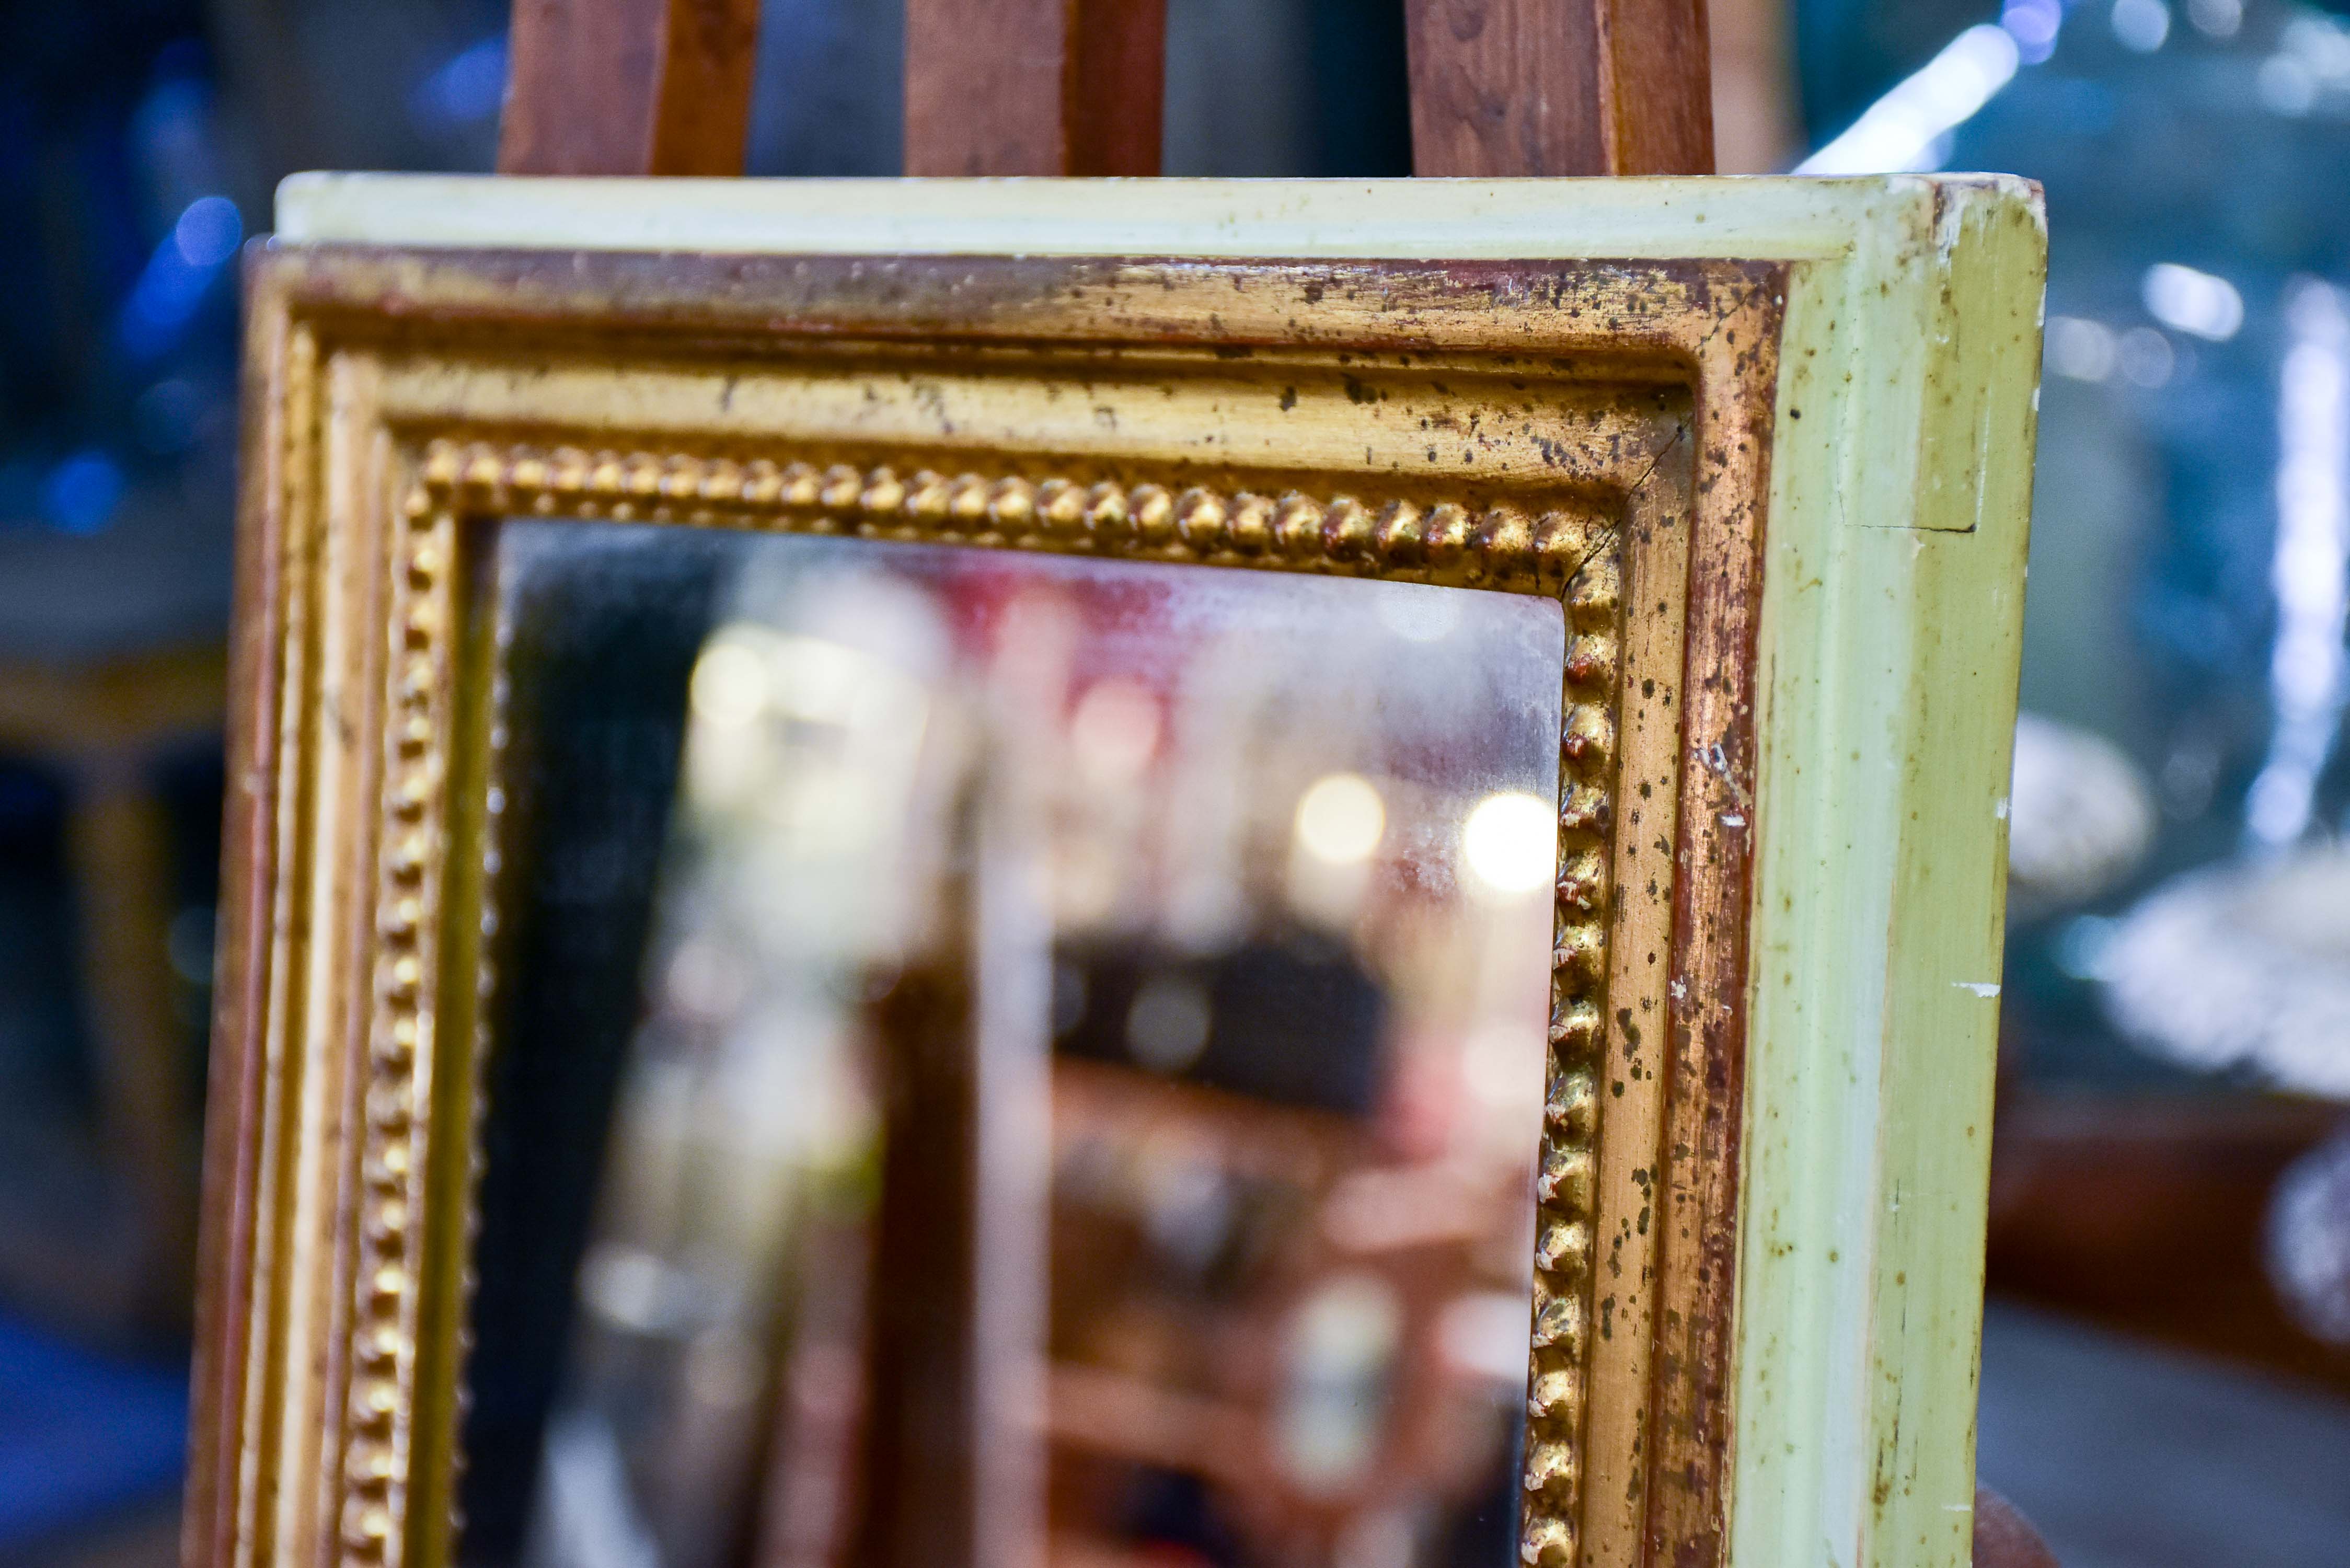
<point x="1890" y="644"/>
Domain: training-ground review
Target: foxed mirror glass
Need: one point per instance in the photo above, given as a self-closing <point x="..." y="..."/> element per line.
<point x="1059" y="1040"/>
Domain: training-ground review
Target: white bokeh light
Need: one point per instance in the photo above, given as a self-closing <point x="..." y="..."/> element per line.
<point x="2197" y="302"/>
<point x="2141" y="25"/>
<point x="1340" y="819"/>
<point x="730" y="684"/>
<point x="1511" y="842"/>
<point x="1904" y="130"/>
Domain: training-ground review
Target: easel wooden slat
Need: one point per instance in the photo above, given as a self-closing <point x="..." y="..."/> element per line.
<point x="1034" y="86"/>
<point x="628" y="87"/>
<point x="1118" y="87"/>
<point x="1506" y="88"/>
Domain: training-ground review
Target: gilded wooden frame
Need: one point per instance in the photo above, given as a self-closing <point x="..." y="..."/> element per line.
<point x="1590" y="431"/>
<point x="1833" y="378"/>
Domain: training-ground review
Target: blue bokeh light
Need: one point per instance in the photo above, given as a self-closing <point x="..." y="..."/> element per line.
<point x="80" y="493"/>
<point x="173" y="284"/>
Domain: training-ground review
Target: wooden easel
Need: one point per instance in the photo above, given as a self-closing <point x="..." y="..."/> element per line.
<point x="1075" y="87"/>
<point x="1498" y="88"/>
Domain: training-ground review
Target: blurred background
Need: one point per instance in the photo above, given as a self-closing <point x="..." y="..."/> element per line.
<point x="2166" y="1361"/>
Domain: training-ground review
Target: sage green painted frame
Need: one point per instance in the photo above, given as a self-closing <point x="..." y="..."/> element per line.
<point x="1891" y="621"/>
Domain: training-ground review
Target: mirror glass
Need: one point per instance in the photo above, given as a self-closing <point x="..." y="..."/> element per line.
<point x="999" y="1058"/>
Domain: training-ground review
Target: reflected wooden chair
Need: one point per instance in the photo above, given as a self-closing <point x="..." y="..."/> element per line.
<point x="101" y="726"/>
<point x="1498" y="88"/>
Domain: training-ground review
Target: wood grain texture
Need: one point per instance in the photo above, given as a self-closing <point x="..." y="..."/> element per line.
<point x="1034" y="86"/>
<point x="628" y="87"/>
<point x="1117" y="87"/>
<point x="1507" y="88"/>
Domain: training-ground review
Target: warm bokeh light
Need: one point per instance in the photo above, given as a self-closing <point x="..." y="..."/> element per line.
<point x="1114" y="731"/>
<point x="1511" y="842"/>
<point x="730" y="684"/>
<point x="1341" y="818"/>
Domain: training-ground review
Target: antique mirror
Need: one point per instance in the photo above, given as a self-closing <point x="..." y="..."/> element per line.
<point x="988" y="873"/>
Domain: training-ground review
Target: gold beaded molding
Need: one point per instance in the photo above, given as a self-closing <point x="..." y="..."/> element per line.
<point x="1566" y="1185"/>
<point x="1562" y="552"/>
<point x="1498" y="546"/>
<point x="380" y="1425"/>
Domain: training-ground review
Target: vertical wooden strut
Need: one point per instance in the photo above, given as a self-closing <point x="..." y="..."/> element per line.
<point x="628" y="87"/>
<point x="1546" y="88"/>
<point x="1504" y="88"/>
<point x="1034" y="86"/>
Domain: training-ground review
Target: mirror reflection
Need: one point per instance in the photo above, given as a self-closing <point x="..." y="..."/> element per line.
<point x="1002" y="1058"/>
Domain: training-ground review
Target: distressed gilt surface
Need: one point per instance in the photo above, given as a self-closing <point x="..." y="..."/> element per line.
<point x="1835" y="1091"/>
<point x="1592" y="433"/>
